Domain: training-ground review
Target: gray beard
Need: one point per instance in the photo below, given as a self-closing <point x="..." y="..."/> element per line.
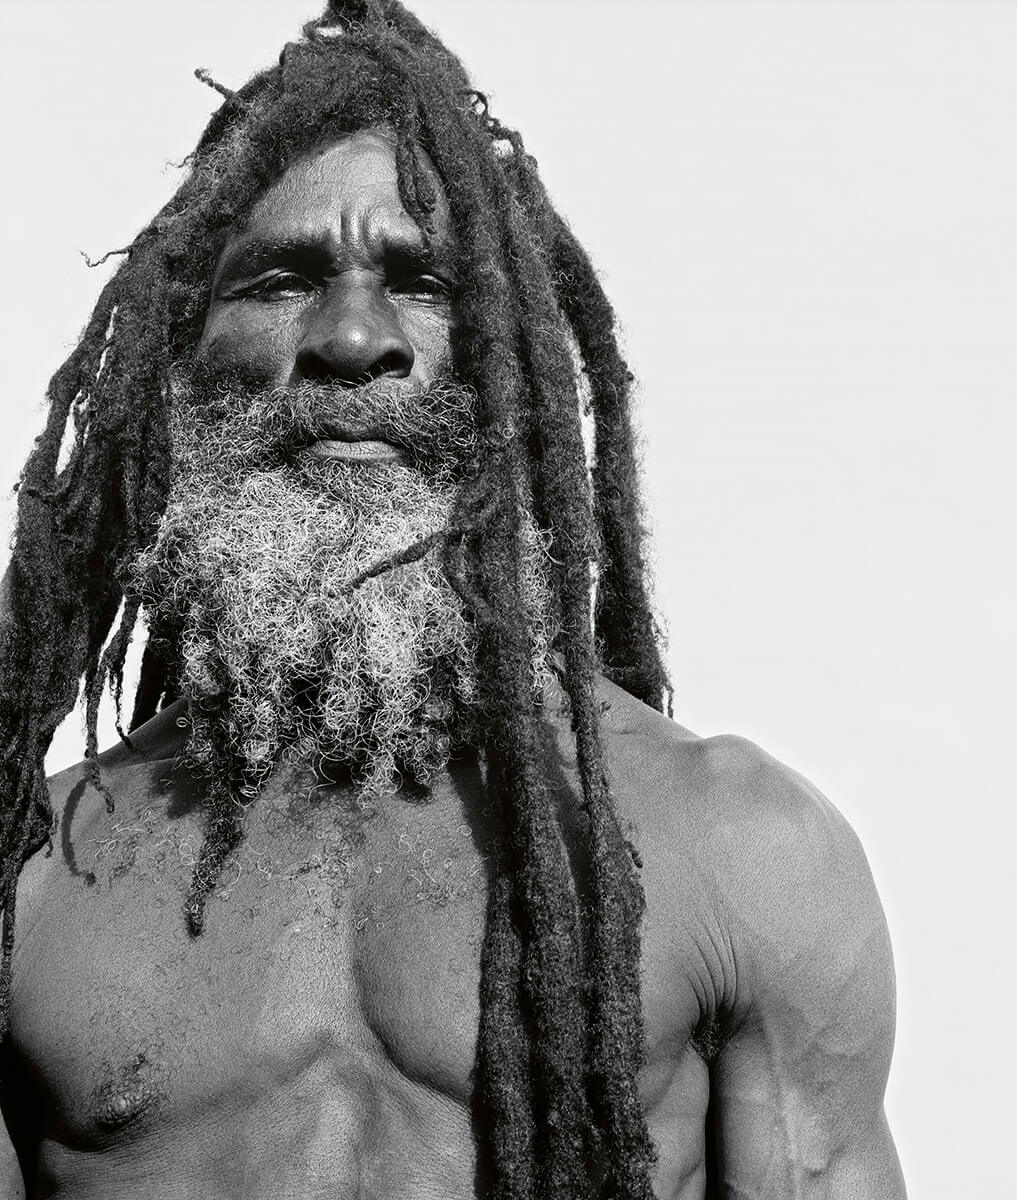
<point x="250" y="577"/>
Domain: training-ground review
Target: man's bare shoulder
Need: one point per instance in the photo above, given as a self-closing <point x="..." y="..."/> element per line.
<point x="137" y="775"/>
<point x="757" y="886"/>
<point x="723" y="790"/>
<point x="774" y="859"/>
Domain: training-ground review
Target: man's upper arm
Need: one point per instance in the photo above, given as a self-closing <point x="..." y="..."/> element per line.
<point x="799" y="1082"/>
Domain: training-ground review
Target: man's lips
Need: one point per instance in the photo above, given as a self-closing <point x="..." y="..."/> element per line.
<point x="351" y="445"/>
<point x="365" y="450"/>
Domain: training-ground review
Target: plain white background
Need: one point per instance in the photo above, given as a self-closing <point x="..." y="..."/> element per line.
<point x="805" y="214"/>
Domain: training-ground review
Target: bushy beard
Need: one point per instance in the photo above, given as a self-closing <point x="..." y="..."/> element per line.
<point x="250" y="581"/>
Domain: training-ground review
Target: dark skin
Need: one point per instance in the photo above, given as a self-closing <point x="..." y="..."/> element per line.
<point x="318" y="1039"/>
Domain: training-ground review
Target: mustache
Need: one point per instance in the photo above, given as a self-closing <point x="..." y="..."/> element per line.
<point x="434" y="426"/>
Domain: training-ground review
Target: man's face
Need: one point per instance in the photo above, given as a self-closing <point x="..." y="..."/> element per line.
<point x="318" y="432"/>
<point x="319" y="435"/>
<point x="329" y="282"/>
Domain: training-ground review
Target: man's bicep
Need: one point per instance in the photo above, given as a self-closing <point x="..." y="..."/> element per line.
<point x="799" y="1083"/>
<point x="778" y="1137"/>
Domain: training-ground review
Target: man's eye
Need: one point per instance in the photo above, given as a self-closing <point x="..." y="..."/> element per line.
<point x="278" y="283"/>
<point x="430" y="286"/>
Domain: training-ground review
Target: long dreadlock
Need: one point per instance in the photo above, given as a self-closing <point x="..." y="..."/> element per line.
<point x="557" y="1062"/>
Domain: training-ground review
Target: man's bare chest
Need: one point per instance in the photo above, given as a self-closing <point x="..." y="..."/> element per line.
<point x="337" y="945"/>
<point x="337" y="975"/>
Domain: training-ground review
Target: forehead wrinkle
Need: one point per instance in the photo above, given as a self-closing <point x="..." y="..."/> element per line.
<point x="379" y="227"/>
<point x="310" y="207"/>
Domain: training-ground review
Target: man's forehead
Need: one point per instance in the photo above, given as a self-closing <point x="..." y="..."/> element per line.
<point x="345" y="189"/>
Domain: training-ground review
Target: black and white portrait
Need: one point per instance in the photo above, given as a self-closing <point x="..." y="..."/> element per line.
<point x="507" y="610"/>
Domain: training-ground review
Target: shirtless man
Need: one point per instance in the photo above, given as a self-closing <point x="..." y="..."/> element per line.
<point x="352" y="914"/>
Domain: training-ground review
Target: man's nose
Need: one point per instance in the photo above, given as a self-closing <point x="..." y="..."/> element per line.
<point x="353" y="336"/>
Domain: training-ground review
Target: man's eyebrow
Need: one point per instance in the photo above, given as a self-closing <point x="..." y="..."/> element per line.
<point x="252" y="253"/>
<point x="404" y="252"/>
<point x="408" y="247"/>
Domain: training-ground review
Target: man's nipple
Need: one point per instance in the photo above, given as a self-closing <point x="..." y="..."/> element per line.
<point x="122" y="1108"/>
<point x="128" y="1093"/>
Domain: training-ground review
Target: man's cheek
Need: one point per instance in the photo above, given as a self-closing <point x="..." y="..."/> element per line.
<point x="257" y="354"/>
<point x="430" y="333"/>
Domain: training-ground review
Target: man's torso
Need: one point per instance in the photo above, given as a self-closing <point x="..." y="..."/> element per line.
<point x="319" y="1037"/>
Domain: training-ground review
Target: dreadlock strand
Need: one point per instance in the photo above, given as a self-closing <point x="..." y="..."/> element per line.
<point x="618" y="1041"/>
<point x="557" y="429"/>
<point x="505" y="1081"/>
<point x="151" y="686"/>
<point x="541" y="867"/>
<point x="624" y="619"/>
<point x="536" y="863"/>
<point x="550" y="952"/>
<point x="110" y="666"/>
<point x="33" y="831"/>
<point x="223" y="833"/>
<point x="627" y="630"/>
